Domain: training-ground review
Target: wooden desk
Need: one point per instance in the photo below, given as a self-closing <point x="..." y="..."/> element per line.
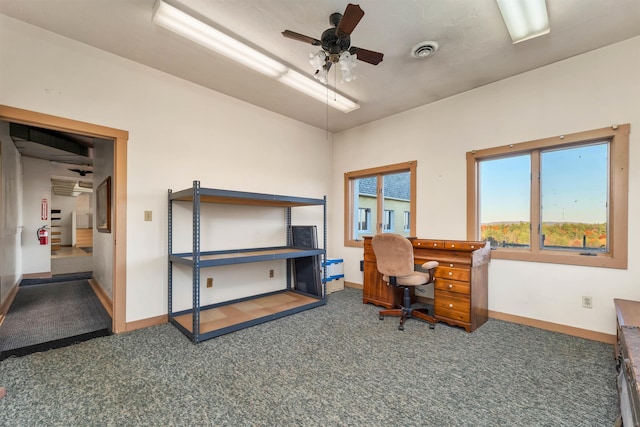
<point x="627" y="353"/>
<point x="461" y="291"/>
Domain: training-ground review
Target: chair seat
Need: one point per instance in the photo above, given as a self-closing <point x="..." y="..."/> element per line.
<point x="416" y="279"/>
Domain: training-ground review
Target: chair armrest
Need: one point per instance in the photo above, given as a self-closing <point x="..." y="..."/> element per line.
<point x="430" y="265"/>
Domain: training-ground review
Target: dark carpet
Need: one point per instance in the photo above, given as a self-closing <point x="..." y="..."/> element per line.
<point x="335" y="365"/>
<point x="52" y="315"/>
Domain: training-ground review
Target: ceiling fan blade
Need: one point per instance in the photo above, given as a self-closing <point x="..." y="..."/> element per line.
<point x="365" y="55"/>
<point x="301" y="38"/>
<point x="350" y="18"/>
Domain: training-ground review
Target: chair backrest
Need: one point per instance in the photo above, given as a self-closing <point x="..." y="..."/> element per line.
<point x="394" y="254"/>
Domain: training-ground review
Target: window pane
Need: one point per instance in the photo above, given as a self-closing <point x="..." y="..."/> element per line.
<point x="387" y="224"/>
<point x="574" y="198"/>
<point x="407" y="220"/>
<point x="504" y="201"/>
<point x="397" y="198"/>
<point x="365" y="203"/>
<point x="364" y="219"/>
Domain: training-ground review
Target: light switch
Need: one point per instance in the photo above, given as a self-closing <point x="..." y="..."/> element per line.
<point x="147" y="215"/>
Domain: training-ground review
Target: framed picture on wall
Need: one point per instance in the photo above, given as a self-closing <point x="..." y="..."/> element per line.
<point x="103" y="206"/>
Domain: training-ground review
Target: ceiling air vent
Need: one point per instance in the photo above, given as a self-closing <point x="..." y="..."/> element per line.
<point x="424" y="49"/>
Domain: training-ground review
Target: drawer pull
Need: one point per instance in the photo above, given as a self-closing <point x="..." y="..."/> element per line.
<point x="419" y="243"/>
<point x="453" y="246"/>
<point x="450" y="286"/>
<point x="450" y="265"/>
<point x="450" y="273"/>
<point x="450" y="305"/>
<point x="473" y="246"/>
<point x="435" y="244"/>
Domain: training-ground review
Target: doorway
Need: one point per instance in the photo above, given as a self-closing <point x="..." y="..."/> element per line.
<point x="119" y="185"/>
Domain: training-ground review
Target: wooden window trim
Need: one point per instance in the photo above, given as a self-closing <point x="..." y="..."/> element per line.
<point x="410" y="166"/>
<point x="618" y="136"/>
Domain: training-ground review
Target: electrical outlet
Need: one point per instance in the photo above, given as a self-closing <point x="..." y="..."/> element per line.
<point x="587" y="302"/>
<point x="209" y="282"/>
<point x="271" y="274"/>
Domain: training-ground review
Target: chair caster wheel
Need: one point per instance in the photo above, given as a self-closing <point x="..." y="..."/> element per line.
<point x="381" y="317"/>
<point x="432" y="326"/>
<point x="401" y="327"/>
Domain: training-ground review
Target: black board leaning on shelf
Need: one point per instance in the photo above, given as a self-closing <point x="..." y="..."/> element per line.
<point x="307" y="269"/>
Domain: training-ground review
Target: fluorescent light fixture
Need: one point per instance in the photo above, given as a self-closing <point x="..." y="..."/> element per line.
<point x="315" y="90"/>
<point x="197" y="31"/>
<point x="525" y="19"/>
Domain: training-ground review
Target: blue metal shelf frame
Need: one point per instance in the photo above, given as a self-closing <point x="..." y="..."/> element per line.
<point x="197" y="195"/>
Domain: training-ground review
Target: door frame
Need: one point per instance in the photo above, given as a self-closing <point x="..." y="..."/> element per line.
<point x="119" y="188"/>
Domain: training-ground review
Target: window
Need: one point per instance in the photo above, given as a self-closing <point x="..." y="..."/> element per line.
<point x="379" y="193"/>
<point x="557" y="200"/>
<point x="388" y="220"/>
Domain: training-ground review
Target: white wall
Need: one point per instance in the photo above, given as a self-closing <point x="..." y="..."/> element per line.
<point x="36" y="258"/>
<point x="178" y="132"/>
<point x="590" y="91"/>
<point x="103" y="243"/>
<point x="10" y="213"/>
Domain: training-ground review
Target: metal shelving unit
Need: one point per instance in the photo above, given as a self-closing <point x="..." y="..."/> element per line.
<point x="189" y="321"/>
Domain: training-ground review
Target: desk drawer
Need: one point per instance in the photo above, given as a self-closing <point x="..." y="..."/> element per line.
<point x="453" y="286"/>
<point x="445" y="272"/>
<point x="464" y="246"/>
<point x="452" y="306"/>
<point x="428" y="244"/>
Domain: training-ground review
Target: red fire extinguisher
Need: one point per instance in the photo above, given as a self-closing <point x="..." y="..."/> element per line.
<point x="43" y="235"/>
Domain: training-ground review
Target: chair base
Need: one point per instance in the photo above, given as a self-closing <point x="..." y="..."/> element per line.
<point x="405" y="311"/>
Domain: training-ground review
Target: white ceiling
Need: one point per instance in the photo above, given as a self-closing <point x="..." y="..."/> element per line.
<point x="475" y="48"/>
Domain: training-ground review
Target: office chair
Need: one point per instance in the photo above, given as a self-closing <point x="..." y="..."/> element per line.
<point x="394" y="259"/>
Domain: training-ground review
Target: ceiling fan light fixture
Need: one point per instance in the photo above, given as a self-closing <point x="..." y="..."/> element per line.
<point x="347" y="63"/>
<point x="318" y="61"/>
<point x="525" y="19"/>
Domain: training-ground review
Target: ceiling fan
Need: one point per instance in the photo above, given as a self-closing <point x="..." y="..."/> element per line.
<point x="82" y="172"/>
<point x="336" y="41"/>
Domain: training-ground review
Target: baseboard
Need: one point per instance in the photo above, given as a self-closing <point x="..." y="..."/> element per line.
<point x="353" y="285"/>
<point x="105" y="299"/>
<point x="554" y="327"/>
<point x="148" y="322"/>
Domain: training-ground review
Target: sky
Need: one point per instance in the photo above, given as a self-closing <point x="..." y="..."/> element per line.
<point x="574" y="186"/>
